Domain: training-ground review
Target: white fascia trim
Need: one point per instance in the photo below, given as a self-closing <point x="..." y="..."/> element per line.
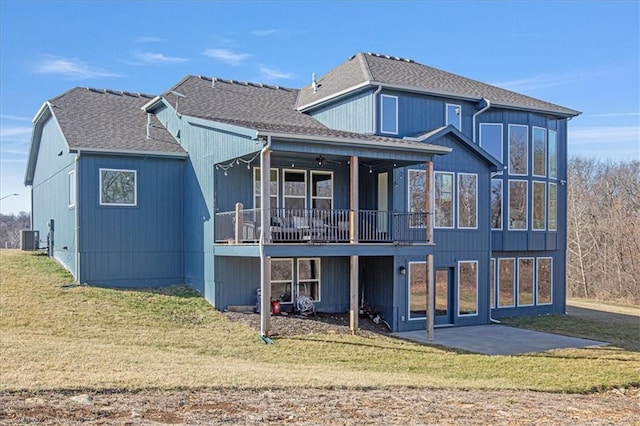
<point x="151" y="103"/>
<point x="130" y="152"/>
<point x="41" y="111"/>
<point x="335" y="95"/>
<point x="372" y="144"/>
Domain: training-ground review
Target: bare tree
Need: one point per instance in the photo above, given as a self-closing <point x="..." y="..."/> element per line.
<point x="10" y="226"/>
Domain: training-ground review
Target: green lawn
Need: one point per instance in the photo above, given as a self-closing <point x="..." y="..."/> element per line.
<point x="56" y="336"/>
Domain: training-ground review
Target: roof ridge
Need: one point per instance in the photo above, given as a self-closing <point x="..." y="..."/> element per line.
<point x="116" y="92"/>
<point x="365" y="67"/>
<point x="396" y="58"/>
<point x="244" y="83"/>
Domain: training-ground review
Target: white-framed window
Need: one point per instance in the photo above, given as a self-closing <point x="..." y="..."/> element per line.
<point x="518" y="204"/>
<point x="539" y="211"/>
<point x="518" y="149"/>
<point x="552" y="207"/>
<point x="118" y="187"/>
<point x="454" y="115"/>
<point x="467" y="288"/>
<point x="295" y="191"/>
<point x="506" y="282"/>
<point x="416" y="197"/>
<point x="492" y="284"/>
<point x="491" y="139"/>
<point x="553" y="154"/>
<point x="321" y="190"/>
<point x="444" y="196"/>
<point x="72" y="188"/>
<point x="273" y="187"/>
<point x="282" y="280"/>
<point x="417" y="290"/>
<point x="467" y="200"/>
<point x="539" y="157"/>
<point x="389" y="114"/>
<point x="525" y="281"/>
<point x="496" y="203"/>
<point x="544" y="280"/>
<point x="308" y="283"/>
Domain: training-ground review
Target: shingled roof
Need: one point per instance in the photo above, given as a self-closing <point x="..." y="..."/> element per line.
<point x="105" y="120"/>
<point x="368" y="69"/>
<point x="264" y="108"/>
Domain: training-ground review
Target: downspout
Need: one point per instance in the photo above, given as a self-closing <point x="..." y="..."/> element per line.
<point x="375" y="109"/>
<point x="488" y="102"/>
<point x="265" y="303"/>
<point x="77" y="217"/>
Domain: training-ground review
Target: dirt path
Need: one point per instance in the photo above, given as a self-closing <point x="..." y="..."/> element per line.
<point x="321" y="407"/>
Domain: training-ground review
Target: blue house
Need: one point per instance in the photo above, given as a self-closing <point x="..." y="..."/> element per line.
<point x="425" y="196"/>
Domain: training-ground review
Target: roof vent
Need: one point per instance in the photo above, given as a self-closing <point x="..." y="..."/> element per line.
<point x="314" y="83"/>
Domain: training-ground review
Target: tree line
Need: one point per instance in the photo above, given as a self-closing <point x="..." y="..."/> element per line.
<point x="603" y="230"/>
<point x="10" y="226"/>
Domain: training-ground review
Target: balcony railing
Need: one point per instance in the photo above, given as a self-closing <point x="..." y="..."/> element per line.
<point x="321" y="226"/>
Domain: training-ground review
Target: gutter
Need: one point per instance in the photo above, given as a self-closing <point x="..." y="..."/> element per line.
<point x="475" y="115"/>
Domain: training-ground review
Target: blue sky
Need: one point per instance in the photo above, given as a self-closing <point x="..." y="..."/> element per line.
<point x="582" y="55"/>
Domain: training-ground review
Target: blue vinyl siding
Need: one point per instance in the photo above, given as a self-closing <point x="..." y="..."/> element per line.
<point x="50" y="192"/>
<point x="354" y="114"/>
<point x="132" y="246"/>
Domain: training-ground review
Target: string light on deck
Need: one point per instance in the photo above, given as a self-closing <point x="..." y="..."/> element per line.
<point x="236" y="161"/>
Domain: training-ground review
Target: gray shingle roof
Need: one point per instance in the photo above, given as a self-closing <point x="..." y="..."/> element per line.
<point x="372" y="69"/>
<point x="105" y="120"/>
<point x="254" y="106"/>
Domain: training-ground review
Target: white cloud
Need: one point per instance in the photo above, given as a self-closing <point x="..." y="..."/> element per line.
<point x="617" y="114"/>
<point x="149" y="39"/>
<point x="14" y="132"/>
<point x="263" y="33"/>
<point x="272" y="74"/>
<point x="541" y="81"/>
<point x="158" y="58"/>
<point x="14" y="117"/>
<point x="72" y="68"/>
<point x="604" y="135"/>
<point x="227" y="56"/>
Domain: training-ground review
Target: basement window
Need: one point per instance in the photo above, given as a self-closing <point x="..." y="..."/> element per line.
<point x="467" y="288"/>
<point x="118" y="187"/>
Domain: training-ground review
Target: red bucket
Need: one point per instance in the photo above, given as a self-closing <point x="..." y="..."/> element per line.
<point x="275" y="307"/>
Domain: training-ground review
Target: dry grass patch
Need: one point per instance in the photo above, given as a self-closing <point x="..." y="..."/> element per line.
<point x="60" y="336"/>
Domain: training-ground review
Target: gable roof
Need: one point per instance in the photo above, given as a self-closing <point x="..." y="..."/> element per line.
<point x="368" y="70"/>
<point x="263" y="108"/>
<point x="106" y="120"/>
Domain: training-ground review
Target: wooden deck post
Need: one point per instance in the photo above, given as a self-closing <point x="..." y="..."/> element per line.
<point x="430" y="297"/>
<point x="354" y="213"/>
<point x="265" y="238"/>
<point x="429" y="199"/>
<point x="353" y="295"/>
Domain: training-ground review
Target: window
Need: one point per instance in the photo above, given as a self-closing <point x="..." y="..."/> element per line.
<point x="417" y="197"/>
<point x="454" y="116"/>
<point x="496" y="203"/>
<point x="552" y="207"/>
<point x="518" y="204"/>
<point x="539" y="151"/>
<point x="417" y="290"/>
<point x="309" y="279"/>
<point x="467" y="200"/>
<point x="553" y="155"/>
<point x="544" y="280"/>
<point x="389" y="114"/>
<point x="295" y="191"/>
<point x="273" y="187"/>
<point x="506" y="283"/>
<point x="539" y="206"/>
<point x="525" y="281"/>
<point x="322" y="190"/>
<point x="518" y="149"/>
<point x="72" y="188"/>
<point x="118" y="187"/>
<point x="491" y="139"/>
<point x="492" y="284"/>
<point x="467" y="288"/>
<point x="282" y="280"/>
<point x="444" y="200"/>
<point x="442" y="292"/>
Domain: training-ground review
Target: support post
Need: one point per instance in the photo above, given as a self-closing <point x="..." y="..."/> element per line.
<point x="239" y="223"/>
<point x="354" y="212"/>
<point x="430" y="297"/>
<point x="430" y="188"/>
<point x="353" y="295"/>
<point x="265" y="238"/>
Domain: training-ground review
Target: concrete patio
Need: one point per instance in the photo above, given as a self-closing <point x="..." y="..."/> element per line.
<point x="497" y="339"/>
